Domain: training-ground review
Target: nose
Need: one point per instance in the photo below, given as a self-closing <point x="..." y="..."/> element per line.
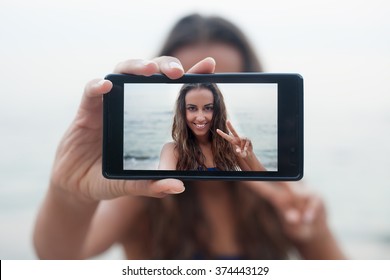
<point x="200" y="116"/>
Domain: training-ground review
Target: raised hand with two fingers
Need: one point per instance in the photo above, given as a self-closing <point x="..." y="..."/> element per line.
<point x="243" y="148"/>
<point x="303" y="217"/>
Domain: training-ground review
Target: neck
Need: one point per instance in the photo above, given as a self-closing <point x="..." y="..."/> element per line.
<point x="203" y="140"/>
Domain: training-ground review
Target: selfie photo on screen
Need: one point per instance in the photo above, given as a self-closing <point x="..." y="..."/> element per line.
<point x="150" y="110"/>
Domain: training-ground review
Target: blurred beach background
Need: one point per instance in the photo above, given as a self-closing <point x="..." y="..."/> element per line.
<point x="50" y="49"/>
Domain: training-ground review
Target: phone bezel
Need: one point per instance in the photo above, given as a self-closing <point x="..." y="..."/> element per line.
<point x="290" y="128"/>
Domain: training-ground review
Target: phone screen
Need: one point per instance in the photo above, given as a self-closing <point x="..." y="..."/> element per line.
<point x="149" y="109"/>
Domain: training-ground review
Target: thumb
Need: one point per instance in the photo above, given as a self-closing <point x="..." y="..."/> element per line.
<point x="158" y="188"/>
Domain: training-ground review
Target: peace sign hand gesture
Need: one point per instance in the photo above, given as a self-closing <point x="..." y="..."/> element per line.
<point x="243" y="147"/>
<point x="303" y="217"/>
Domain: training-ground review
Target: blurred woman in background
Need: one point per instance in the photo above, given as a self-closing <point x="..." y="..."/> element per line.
<point x="84" y="214"/>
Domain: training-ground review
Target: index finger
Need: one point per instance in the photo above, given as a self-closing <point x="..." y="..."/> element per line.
<point x="224" y="135"/>
<point x="167" y="65"/>
<point x="170" y="66"/>
<point x="231" y="128"/>
<point x="137" y="67"/>
<point x="205" y="66"/>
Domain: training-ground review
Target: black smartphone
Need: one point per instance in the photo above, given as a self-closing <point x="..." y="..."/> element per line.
<point x="264" y="111"/>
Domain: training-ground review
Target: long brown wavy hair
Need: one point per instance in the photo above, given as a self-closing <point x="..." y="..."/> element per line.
<point x="191" y="156"/>
<point x="175" y="227"/>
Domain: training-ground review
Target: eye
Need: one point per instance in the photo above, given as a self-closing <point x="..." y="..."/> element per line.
<point x="209" y="108"/>
<point x="191" y="108"/>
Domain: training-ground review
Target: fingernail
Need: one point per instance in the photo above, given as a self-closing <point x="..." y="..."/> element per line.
<point x="175" y="191"/>
<point x="175" y="65"/>
<point x="101" y="82"/>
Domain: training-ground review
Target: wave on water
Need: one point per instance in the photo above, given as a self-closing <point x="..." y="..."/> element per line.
<point x="131" y="162"/>
<point x="136" y="157"/>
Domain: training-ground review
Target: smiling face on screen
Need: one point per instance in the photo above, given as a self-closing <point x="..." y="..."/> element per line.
<point x="199" y="111"/>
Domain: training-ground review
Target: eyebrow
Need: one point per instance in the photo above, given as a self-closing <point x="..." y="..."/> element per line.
<point x="190" y="105"/>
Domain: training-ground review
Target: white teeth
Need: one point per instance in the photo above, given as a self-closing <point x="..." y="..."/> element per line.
<point x="200" y="125"/>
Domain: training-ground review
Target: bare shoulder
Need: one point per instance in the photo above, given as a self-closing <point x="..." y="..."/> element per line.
<point x="169" y="147"/>
<point x="168" y="157"/>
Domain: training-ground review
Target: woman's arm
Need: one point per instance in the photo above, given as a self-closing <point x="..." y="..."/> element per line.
<point x="62" y="225"/>
<point x="70" y="212"/>
<point x="80" y="230"/>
